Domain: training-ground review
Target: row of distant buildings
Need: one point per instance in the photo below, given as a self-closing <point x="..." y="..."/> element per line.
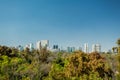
<point x="95" y="48"/>
<point x="55" y="48"/>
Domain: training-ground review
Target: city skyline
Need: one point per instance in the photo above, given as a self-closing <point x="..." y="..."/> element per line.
<point x="63" y="22"/>
<point x="55" y="47"/>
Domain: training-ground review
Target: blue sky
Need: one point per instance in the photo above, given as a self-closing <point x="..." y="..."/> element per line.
<point x="63" y="22"/>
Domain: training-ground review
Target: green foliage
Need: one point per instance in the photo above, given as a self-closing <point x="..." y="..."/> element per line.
<point x="118" y="58"/>
<point x="45" y="65"/>
<point x="80" y="66"/>
<point x="118" y="42"/>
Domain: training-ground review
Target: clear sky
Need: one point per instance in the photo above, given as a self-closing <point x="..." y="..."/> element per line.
<point x="63" y="22"/>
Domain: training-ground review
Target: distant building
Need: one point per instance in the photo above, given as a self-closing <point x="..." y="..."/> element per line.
<point x="26" y="46"/>
<point x="20" y="48"/>
<point x="70" y="49"/>
<point x="29" y="46"/>
<point x="38" y="45"/>
<point x="96" y="48"/>
<point x="93" y="48"/>
<point x="80" y="49"/>
<point x="42" y="44"/>
<point x="86" y="48"/>
<point x="55" y="48"/>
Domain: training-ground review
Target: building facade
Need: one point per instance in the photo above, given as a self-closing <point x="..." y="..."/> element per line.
<point x="86" y="48"/>
<point x="29" y="46"/>
<point x="42" y="44"/>
<point x="70" y="49"/>
<point x="96" y="48"/>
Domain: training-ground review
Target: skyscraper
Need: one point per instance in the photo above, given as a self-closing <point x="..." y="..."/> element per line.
<point x="38" y="45"/>
<point x="42" y="44"/>
<point x="96" y="48"/>
<point x="86" y="48"/>
<point x="55" y="48"/>
<point x="30" y="46"/>
<point x="70" y="49"/>
<point x="93" y="48"/>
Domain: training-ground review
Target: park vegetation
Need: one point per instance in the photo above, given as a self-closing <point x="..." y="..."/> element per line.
<point x="46" y="65"/>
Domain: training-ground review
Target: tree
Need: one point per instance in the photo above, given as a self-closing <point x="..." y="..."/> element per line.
<point x="80" y="66"/>
<point x="118" y="57"/>
<point x="77" y="65"/>
<point x="44" y="65"/>
<point x="4" y="50"/>
<point x="118" y="42"/>
<point x="99" y="65"/>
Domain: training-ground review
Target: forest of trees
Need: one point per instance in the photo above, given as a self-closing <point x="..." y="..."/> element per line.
<point x="46" y="65"/>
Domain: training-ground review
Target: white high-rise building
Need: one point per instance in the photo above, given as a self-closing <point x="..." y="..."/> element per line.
<point x="42" y="44"/>
<point x="86" y="48"/>
<point x="38" y="45"/>
<point x="93" y="48"/>
<point x="30" y="46"/>
<point x="96" y="48"/>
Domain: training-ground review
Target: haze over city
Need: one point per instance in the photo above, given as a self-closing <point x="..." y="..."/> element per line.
<point x="62" y="22"/>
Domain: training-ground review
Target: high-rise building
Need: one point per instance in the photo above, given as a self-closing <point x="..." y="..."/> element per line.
<point x="86" y="48"/>
<point x="42" y="44"/>
<point x="70" y="49"/>
<point x="96" y="48"/>
<point x="55" y="46"/>
<point x="38" y="45"/>
<point x="29" y="46"/>
<point x="93" y="48"/>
